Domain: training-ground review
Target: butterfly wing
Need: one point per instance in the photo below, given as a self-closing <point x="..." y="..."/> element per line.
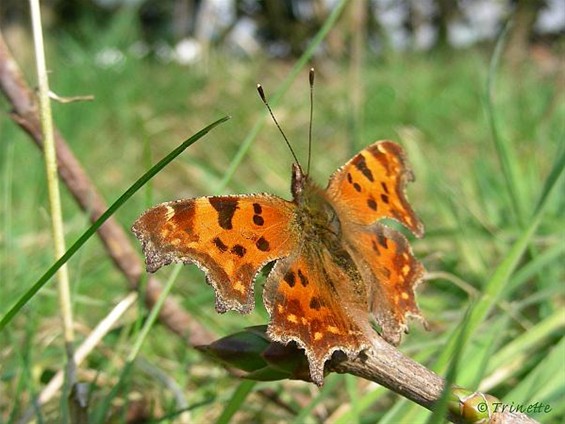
<point x="391" y="272"/>
<point x="308" y="304"/>
<point x="366" y="189"/>
<point x="229" y="237"/>
<point x="371" y="186"/>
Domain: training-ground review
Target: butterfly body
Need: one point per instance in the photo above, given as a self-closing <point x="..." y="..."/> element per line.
<point x="336" y="266"/>
<point x="314" y="215"/>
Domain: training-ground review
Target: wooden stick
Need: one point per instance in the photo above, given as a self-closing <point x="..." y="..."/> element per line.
<point x="116" y="242"/>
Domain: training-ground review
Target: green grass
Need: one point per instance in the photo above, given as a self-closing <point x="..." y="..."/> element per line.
<point x="493" y="239"/>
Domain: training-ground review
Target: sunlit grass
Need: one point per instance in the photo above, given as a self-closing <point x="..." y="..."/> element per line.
<point x="433" y="105"/>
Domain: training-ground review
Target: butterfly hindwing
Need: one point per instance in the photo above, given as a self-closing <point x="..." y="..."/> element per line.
<point x="391" y="273"/>
<point x="307" y="299"/>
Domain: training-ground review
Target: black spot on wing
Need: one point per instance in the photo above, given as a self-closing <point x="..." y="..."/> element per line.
<point x="361" y="164"/>
<point x="290" y="278"/>
<point x="226" y="207"/>
<point x="375" y="247"/>
<point x="315" y="303"/>
<point x="262" y="244"/>
<point x="258" y="220"/>
<point x="238" y="250"/>
<point x="383" y="241"/>
<point x="372" y="203"/>
<point x="303" y="279"/>
<point x="220" y="244"/>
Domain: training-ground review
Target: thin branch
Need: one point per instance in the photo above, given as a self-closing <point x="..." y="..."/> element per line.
<point x="386" y="365"/>
<point x="257" y="357"/>
<point x="389" y="367"/>
<point x="116" y="242"/>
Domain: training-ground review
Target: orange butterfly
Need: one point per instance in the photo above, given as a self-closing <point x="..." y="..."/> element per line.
<point x="336" y="264"/>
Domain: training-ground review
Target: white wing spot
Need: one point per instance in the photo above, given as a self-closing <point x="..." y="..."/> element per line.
<point x="169" y="212"/>
<point x="239" y="287"/>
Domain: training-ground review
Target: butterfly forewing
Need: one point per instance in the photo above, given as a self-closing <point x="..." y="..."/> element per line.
<point x="371" y="186"/>
<point x="230" y="237"/>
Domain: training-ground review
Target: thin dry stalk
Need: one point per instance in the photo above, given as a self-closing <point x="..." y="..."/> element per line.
<point x="93" y="339"/>
<point x="53" y="188"/>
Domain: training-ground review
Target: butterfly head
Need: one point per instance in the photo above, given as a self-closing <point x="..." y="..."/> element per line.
<point x="299" y="177"/>
<point x="298" y="181"/>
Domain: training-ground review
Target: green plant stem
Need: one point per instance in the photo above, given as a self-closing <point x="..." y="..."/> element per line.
<point x="154" y="314"/>
<point x="237" y="399"/>
<point x="506" y="156"/>
<point x="53" y="188"/>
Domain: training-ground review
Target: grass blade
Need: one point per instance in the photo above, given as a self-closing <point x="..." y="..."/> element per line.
<point x="441" y="407"/>
<point x="498" y="282"/>
<point x="24" y="299"/>
<point x="236" y="401"/>
<point x="544" y="383"/>
<point x="246" y="143"/>
<point x="102" y="411"/>
<point x="552" y="179"/>
<point x="506" y="157"/>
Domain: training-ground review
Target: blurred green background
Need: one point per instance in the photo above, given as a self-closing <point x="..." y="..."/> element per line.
<point x="410" y="71"/>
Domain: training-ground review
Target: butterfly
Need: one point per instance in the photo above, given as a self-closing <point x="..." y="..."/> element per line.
<point x="337" y="267"/>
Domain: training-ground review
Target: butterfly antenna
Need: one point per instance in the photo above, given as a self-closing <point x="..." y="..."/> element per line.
<point x="262" y="95"/>
<point x="311" y="78"/>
